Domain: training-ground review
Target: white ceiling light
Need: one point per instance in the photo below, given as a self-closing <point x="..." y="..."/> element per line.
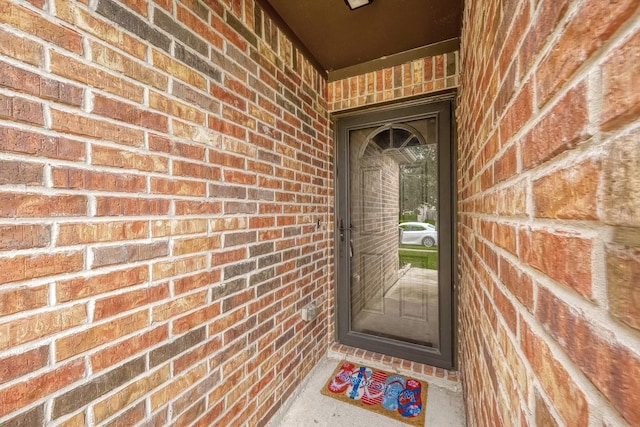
<point x="354" y="4"/>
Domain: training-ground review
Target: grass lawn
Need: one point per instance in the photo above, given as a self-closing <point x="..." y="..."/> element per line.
<point x="421" y="258"/>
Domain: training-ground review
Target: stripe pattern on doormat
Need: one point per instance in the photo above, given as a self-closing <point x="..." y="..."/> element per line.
<point x="396" y="396"/>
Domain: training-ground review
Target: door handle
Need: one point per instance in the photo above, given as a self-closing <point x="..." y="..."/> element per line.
<point x="342" y="229"/>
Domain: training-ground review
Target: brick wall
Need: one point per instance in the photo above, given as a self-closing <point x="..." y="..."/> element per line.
<point x="164" y="167"/>
<point x="549" y="213"/>
<point x="415" y="78"/>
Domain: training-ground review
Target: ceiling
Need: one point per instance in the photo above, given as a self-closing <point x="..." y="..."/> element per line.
<point x="339" y="38"/>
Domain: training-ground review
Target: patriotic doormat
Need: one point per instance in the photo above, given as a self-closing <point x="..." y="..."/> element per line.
<point x="396" y="396"/>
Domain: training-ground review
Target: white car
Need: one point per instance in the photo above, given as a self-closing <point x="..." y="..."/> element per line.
<point x="418" y="233"/>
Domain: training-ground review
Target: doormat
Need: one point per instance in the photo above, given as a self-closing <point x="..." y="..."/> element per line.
<point x="401" y="398"/>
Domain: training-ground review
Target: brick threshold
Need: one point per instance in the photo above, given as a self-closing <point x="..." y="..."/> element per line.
<point x="442" y="377"/>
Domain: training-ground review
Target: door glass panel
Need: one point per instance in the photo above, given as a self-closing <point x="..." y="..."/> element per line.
<point x="393" y="247"/>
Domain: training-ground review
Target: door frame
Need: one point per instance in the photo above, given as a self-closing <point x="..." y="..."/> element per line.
<point x="343" y="123"/>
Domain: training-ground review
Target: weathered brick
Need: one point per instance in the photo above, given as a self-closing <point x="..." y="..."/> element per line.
<point x="93" y="128"/>
<point x="195" y="244"/>
<point x="176" y="386"/>
<point x="571" y="263"/>
<point x="31" y="417"/>
<point x="131" y="22"/>
<point x="178" y="70"/>
<point x="562" y="128"/>
<point x="105" y="358"/>
<point x="81" y="395"/>
<point x="26" y="142"/>
<point x="128" y="113"/>
<point x="567" y="398"/>
<point x="583" y="35"/>
<point x="83" y="287"/>
<point x="35" y="24"/>
<point x="175" y="347"/>
<point x="26" y="329"/>
<point x="24" y="236"/>
<point x="621" y="172"/>
<point x="22" y="299"/>
<point x="73" y="69"/>
<point x="623" y="275"/>
<point x="12" y="367"/>
<point x="33" y="84"/>
<point x="82" y="19"/>
<point x="89" y="338"/>
<point x="115" y="157"/>
<point x="97" y="181"/>
<point x="21" y="48"/>
<point x="21" y="110"/>
<point x="82" y="233"/>
<point x="111" y="306"/>
<point x="25" y="267"/>
<point x="593" y="352"/>
<point x="111" y="255"/>
<point x="125" y="397"/>
<point x="172" y="27"/>
<point x="26" y="392"/>
<point x="177" y="306"/>
<point x="570" y="193"/>
<point x="123" y="206"/>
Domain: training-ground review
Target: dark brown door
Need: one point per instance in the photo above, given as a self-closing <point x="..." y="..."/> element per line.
<point x="395" y="232"/>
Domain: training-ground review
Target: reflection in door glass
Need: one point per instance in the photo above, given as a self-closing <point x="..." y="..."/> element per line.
<point x="394" y="231"/>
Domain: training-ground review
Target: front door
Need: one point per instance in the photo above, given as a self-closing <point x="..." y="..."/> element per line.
<point x="394" y="232"/>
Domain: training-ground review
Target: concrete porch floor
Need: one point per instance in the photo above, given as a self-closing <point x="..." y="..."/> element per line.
<point x="307" y="407"/>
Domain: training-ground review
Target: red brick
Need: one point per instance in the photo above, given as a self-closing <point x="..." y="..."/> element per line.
<point x="178" y="305"/>
<point x="562" y="128"/>
<point x="123" y="206"/>
<point x="178" y="70"/>
<point x="83" y="233"/>
<point x="25" y="142"/>
<point x="199" y="27"/>
<point x="23" y="393"/>
<point x="195" y="319"/>
<point x="25" y="267"/>
<point x="83" y="287"/>
<point x="162" y="270"/>
<point x="21" y="110"/>
<point x="621" y="179"/>
<point x="564" y="258"/>
<point x="518" y="283"/>
<point x="89" y="338"/>
<point x="80" y="18"/>
<point x="33" y="84"/>
<point x="118" y="110"/>
<point x="115" y="157"/>
<point x="505" y="237"/>
<point x="33" y="23"/>
<point x="36" y="326"/>
<point x="196" y="281"/>
<point x="623" y="276"/>
<point x="112" y="255"/>
<point x="565" y="395"/>
<point x="569" y="193"/>
<point x="178" y="187"/>
<point x="24" y="236"/>
<point x="593" y="351"/>
<point x="21" y="48"/>
<point x="621" y="100"/>
<point x="584" y="34"/>
<point x="35" y="205"/>
<point x="12" y="367"/>
<point x="86" y="126"/>
<point x="23" y="299"/>
<point x="110" y="306"/>
<point x="195" y="170"/>
<point x="195" y="244"/>
<point x="15" y="172"/>
<point x="63" y="177"/>
<point x="110" y="356"/>
<point x="517" y="114"/>
<point x="69" y="67"/>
